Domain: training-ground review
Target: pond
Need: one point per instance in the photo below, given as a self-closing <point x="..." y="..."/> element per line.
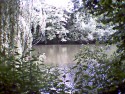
<point x="63" y="55"/>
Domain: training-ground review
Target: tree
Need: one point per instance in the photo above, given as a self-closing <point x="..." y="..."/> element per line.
<point x="109" y="74"/>
<point x="56" y="18"/>
<point x="16" y="21"/>
<point x="8" y="20"/>
<point x="18" y="68"/>
<point x="85" y="28"/>
<point x="111" y="12"/>
<point x="38" y="20"/>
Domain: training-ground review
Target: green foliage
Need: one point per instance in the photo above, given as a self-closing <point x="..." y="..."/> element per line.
<point x="9" y="10"/>
<point x="21" y="72"/>
<point x="112" y="13"/>
<point x="18" y="75"/>
<point x="95" y="72"/>
<point x="28" y="75"/>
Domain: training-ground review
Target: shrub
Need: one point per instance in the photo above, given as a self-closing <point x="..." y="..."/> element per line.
<point x="28" y="75"/>
<point x="98" y="73"/>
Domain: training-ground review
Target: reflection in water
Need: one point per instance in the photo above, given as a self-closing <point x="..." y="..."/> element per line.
<point x="58" y="54"/>
<point x="63" y="55"/>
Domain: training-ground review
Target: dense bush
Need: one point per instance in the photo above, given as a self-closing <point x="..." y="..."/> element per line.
<point x="28" y="75"/>
<point x="98" y="73"/>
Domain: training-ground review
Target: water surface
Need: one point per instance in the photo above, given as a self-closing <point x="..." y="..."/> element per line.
<point x="58" y="54"/>
<point x="63" y="54"/>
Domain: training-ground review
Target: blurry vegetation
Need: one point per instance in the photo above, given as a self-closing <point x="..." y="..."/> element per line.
<point x="28" y="75"/>
<point x="19" y="75"/>
<point x="95" y="72"/>
<point x="76" y="26"/>
<point x="111" y="12"/>
<point x="20" y="71"/>
<point x="98" y="73"/>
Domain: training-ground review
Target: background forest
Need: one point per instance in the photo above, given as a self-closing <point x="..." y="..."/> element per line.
<point x="72" y="26"/>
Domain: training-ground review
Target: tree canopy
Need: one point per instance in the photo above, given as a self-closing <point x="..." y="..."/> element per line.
<point x="109" y="70"/>
<point x="111" y="12"/>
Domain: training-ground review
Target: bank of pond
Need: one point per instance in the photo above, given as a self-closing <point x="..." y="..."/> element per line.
<point x="69" y="41"/>
<point x="63" y="69"/>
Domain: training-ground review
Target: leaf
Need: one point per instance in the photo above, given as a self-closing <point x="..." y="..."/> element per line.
<point x="17" y="60"/>
<point x="88" y="87"/>
<point x="74" y="67"/>
<point x="85" y="67"/>
<point x="55" y="84"/>
<point x="100" y="89"/>
<point x="102" y="2"/>
<point x="86" y="77"/>
<point x="75" y="79"/>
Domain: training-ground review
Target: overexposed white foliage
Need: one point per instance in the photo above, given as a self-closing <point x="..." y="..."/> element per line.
<point x="84" y="23"/>
<point x="24" y="15"/>
<point x="55" y="20"/>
